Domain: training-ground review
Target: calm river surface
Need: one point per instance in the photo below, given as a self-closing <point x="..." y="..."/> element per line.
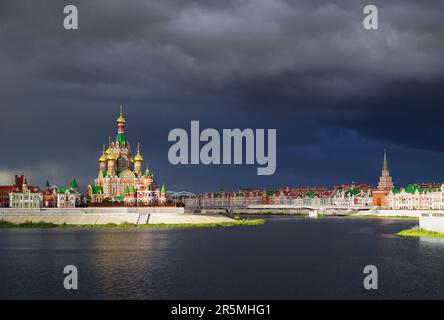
<point x="288" y="258"/>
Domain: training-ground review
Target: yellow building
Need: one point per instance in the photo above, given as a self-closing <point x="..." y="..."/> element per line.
<point x="24" y="197"/>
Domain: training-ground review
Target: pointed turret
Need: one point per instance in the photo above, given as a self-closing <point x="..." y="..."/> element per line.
<point x="47" y="186"/>
<point x="148" y="172"/>
<point x="138" y="161"/>
<point x="163" y="190"/>
<point x="138" y="157"/>
<point x="120" y="139"/>
<point x="385" y="163"/>
<point x="103" y="156"/>
<point x="74" y="186"/>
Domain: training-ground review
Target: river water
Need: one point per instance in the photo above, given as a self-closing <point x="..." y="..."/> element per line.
<point x="288" y="258"/>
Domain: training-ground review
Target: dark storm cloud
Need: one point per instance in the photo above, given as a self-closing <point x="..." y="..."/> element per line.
<point x="307" y="68"/>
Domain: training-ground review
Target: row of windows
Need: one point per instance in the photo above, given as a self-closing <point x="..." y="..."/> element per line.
<point x="25" y="205"/>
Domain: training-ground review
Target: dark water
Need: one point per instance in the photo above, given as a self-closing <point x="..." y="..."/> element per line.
<point x="288" y="258"/>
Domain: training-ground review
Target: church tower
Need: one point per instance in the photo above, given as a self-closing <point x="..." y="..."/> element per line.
<point x="385" y="181"/>
<point x="384" y="186"/>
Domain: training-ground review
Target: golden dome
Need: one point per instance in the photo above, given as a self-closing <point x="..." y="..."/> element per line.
<point x="111" y="156"/>
<point x="103" y="156"/>
<point x="121" y="119"/>
<point x="138" y="157"/>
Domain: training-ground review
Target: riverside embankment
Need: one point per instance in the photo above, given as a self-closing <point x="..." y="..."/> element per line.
<point x="103" y="216"/>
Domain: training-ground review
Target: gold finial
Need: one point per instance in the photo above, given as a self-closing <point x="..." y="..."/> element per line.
<point x="138" y="156"/>
<point x="121" y="119"/>
<point x="103" y="156"/>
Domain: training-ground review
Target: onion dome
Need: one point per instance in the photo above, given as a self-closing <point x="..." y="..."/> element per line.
<point x="103" y="156"/>
<point x="138" y="157"/>
<point x="109" y="150"/>
<point x="111" y="157"/>
<point x="121" y="119"/>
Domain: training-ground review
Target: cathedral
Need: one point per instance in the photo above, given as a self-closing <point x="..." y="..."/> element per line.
<point x="121" y="177"/>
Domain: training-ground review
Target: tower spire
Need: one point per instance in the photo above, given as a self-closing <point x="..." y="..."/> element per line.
<point x="120" y="139"/>
<point x="385" y="163"/>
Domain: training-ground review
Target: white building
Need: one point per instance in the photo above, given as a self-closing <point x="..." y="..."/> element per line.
<point x="417" y="197"/>
<point x="25" y="198"/>
<point x="68" y="197"/>
<point x="349" y="196"/>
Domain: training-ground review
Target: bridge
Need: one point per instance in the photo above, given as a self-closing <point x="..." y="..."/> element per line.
<point x="180" y="194"/>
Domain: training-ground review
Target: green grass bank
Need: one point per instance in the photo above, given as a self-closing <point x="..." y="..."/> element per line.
<point x="419" y="232"/>
<point x="252" y="222"/>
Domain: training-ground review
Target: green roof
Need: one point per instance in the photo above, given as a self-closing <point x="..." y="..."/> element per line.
<point x="163" y="190"/>
<point x="61" y="190"/>
<point x="131" y="189"/>
<point x="270" y="193"/>
<point x="119" y="198"/>
<point x="412" y="188"/>
<point x="96" y="189"/>
<point x="353" y="192"/>
<point x="309" y="194"/>
<point x="74" y="185"/>
<point x="47" y="184"/>
<point x="120" y="139"/>
<point x="394" y="190"/>
<point x="126" y="191"/>
<point x="103" y="174"/>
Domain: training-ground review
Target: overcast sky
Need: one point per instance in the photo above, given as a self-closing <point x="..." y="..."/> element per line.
<point x="336" y="93"/>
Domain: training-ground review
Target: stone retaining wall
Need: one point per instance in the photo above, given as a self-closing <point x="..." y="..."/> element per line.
<point x="432" y="222"/>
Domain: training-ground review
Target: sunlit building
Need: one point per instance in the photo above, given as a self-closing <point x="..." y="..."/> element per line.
<point x="385" y="185"/>
<point x="121" y="177"/>
<point x="25" y="197"/>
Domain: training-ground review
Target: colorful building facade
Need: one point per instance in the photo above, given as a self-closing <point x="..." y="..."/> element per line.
<point x="25" y="197"/>
<point x="5" y="191"/>
<point x="69" y="197"/>
<point x="352" y="195"/>
<point x="420" y="196"/>
<point x="385" y="185"/>
<point x="121" y="177"/>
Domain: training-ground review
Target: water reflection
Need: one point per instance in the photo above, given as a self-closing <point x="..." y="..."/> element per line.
<point x="287" y="258"/>
<point x="429" y="243"/>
